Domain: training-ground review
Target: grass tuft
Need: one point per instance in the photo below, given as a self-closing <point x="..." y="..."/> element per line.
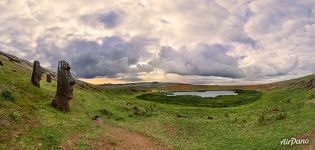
<point x="8" y="95"/>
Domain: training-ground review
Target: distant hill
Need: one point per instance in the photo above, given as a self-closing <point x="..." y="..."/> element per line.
<point x="307" y="82"/>
<point x="142" y="85"/>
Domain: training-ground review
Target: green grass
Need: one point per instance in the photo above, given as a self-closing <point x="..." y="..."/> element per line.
<point x="242" y="97"/>
<point x="29" y="121"/>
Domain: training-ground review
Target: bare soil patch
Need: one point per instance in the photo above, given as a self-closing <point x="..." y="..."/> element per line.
<point x="312" y="101"/>
<point x="116" y="138"/>
<point x="69" y="143"/>
<point x="311" y="137"/>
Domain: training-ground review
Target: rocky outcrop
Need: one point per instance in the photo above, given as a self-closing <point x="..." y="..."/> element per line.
<point x="309" y="84"/>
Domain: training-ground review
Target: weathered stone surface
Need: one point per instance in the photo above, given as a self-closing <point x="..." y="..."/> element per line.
<point x="310" y="84"/>
<point x="37" y="73"/>
<point x="48" y="78"/>
<point x="65" y="84"/>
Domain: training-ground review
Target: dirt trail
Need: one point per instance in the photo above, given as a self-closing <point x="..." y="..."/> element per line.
<point x="69" y="143"/>
<point x="116" y="138"/>
<point x="310" y="136"/>
<point x="121" y="139"/>
<point x="312" y="101"/>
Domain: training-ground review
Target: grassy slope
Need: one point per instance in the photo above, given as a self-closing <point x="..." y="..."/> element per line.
<point x="31" y="123"/>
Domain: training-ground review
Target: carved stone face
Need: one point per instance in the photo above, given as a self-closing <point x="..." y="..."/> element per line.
<point x="71" y="82"/>
<point x="36" y="62"/>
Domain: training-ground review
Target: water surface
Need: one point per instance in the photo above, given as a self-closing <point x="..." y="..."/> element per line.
<point x="204" y="93"/>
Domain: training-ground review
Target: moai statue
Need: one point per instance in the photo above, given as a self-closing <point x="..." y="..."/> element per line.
<point x="1" y="64"/>
<point x="64" y="87"/>
<point x="37" y="73"/>
<point x="48" y="78"/>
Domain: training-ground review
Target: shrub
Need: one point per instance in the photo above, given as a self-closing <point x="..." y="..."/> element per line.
<point x="281" y="116"/>
<point x="139" y="111"/>
<point x="8" y="95"/>
<point x="14" y="116"/>
<point x="226" y="115"/>
<point x="113" y="141"/>
<point x="152" y="107"/>
<point x="119" y="118"/>
<point x="210" y="117"/>
<point x="274" y="109"/>
<point x="105" y="112"/>
<point x="235" y="120"/>
<point x="261" y="119"/>
<point x="181" y="115"/>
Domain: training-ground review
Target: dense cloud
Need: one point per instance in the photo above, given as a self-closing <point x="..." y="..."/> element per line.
<point x="111" y="57"/>
<point x="108" y="57"/>
<point x="111" y="19"/>
<point x="204" y="60"/>
<point x="192" y="41"/>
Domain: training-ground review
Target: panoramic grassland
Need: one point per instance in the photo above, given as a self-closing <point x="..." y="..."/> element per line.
<point x="27" y="120"/>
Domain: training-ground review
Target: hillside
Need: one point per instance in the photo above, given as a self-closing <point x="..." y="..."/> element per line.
<point x="113" y="118"/>
<point x="140" y="85"/>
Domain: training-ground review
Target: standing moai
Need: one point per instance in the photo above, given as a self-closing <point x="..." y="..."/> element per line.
<point x="37" y="73"/>
<point x="1" y="64"/>
<point x="64" y="87"/>
<point x="48" y="78"/>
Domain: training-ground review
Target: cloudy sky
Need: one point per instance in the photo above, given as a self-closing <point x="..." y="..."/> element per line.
<point x="201" y="42"/>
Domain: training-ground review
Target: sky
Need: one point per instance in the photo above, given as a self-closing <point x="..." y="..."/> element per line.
<point x="198" y="42"/>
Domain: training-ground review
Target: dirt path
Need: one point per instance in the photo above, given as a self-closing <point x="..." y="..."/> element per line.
<point x="69" y="143"/>
<point x="310" y="136"/>
<point x="312" y="101"/>
<point x="121" y="139"/>
<point x="116" y="138"/>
